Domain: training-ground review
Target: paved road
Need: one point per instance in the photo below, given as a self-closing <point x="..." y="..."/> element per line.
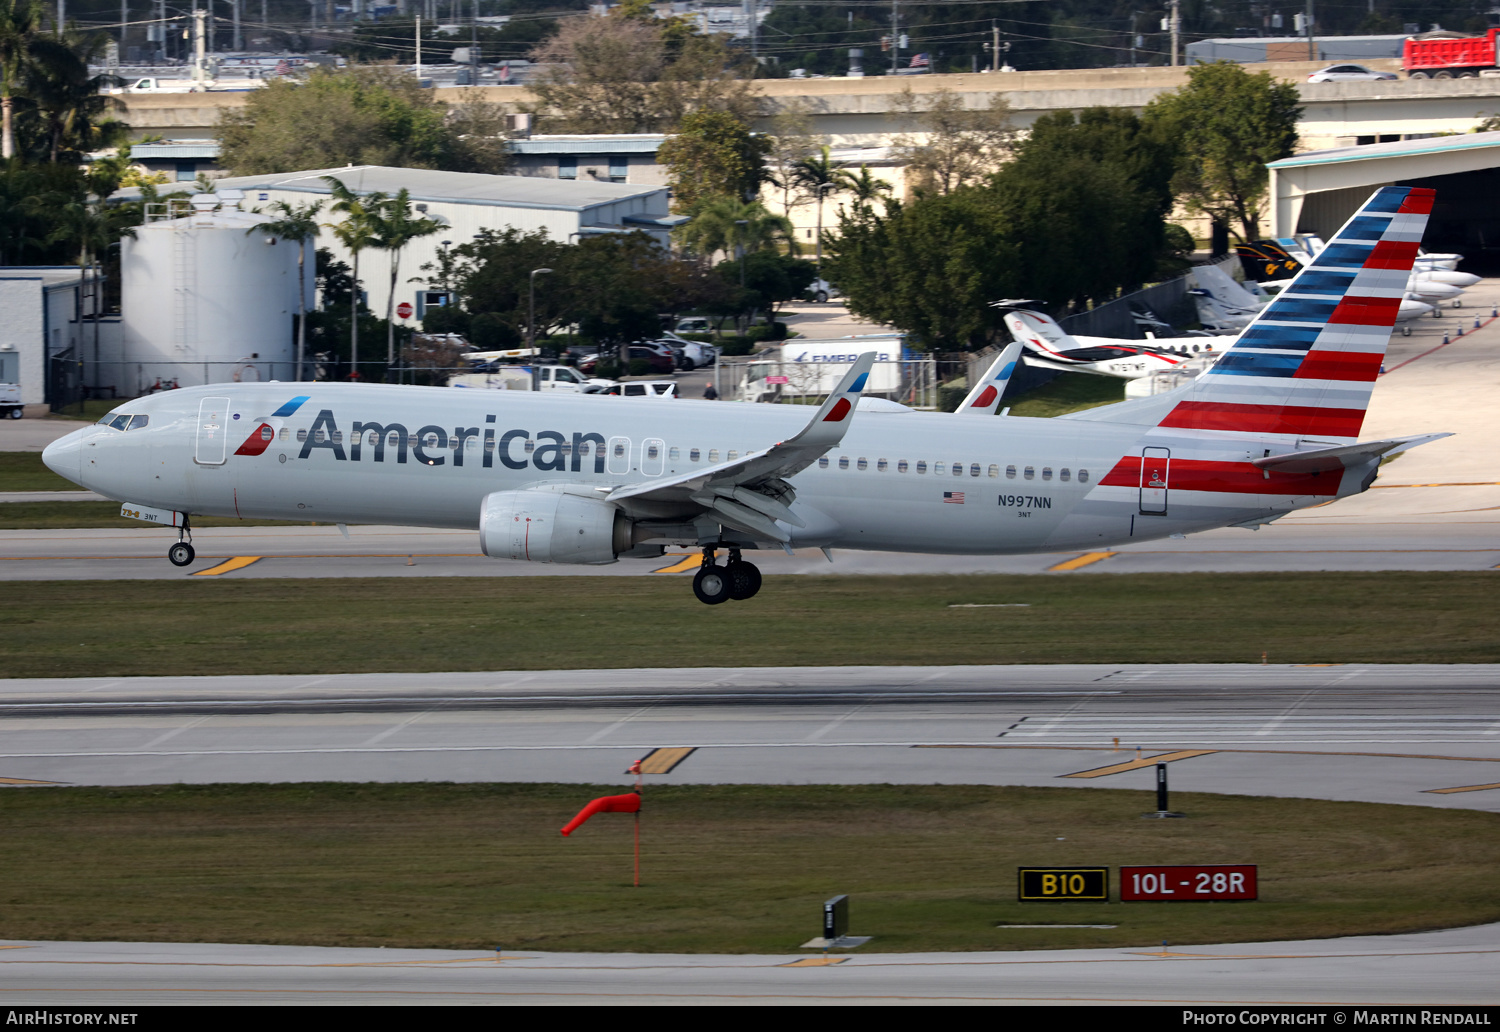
<point x="1393" y="734"/>
<point x="1454" y="967"/>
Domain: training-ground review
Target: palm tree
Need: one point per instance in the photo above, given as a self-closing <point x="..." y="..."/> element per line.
<point x="397" y="229"/>
<point x="20" y="24"/>
<point x="865" y="187"/>
<point x="725" y="223"/>
<point x="297" y="225"/>
<point x="357" y="232"/>
<point x="68" y="98"/>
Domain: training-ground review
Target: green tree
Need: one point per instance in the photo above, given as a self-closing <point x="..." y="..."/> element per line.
<point x="367" y="115"/>
<point x="397" y="226"/>
<point x="713" y="153"/>
<point x="296" y="224"/>
<point x="1227" y="125"/>
<point x="73" y="113"/>
<point x="729" y="224"/>
<point x="625" y="73"/>
<point x="359" y="231"/>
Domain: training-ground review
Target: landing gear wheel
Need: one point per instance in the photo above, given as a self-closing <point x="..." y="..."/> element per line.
<point x="180" y="554"/>
<point x="744" y="580"/>
<point x="712" y="585"/>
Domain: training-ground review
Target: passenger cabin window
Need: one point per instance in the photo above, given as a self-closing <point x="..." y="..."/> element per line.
<point x="733" y="455"/>
<point x="994" y="472"/>
<point x="1029" y="473"/>
<point x="713" y="455"/>
<point x="921" y="465"/>
<point x="1010" y="472"/>
<point x="939" y="468"/>
<point x="1083" y="476"/>
<point x="843" y="462"/>
<point x="674" y="453"/>
<point x="823" y="462"/>
<point x="881" y="464"/>
<point x="1046" y="472"/>
<point x="694" y="455"/>
<point x="1064" y="475"/>
<point x="531" y="447"/>
<point x="286" y="433"/>
<point x="900" y="465"/>
<point x="302" y="434"/>
<point x="862" y="462"/>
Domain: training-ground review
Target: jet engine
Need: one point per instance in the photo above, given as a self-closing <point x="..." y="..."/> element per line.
<point x="552" y="527"/>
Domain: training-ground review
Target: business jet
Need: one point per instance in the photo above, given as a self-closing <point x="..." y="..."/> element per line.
<point x="1273" y="427"/>
<point x="1051" y="347"/>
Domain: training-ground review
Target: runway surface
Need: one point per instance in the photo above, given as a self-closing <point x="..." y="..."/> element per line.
<point x="1453" y="967"/>
<point x="1425" y="735"/>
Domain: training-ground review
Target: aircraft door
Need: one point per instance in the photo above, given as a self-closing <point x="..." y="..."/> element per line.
<point x="653" y="456"/>
<point x="213" y="431"/>
<point x="619" y="455"/>
<point x="1155" y="470"/>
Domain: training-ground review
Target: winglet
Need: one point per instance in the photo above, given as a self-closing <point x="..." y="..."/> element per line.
<point x="986" y="395"/>
<point x="832" y="420"/>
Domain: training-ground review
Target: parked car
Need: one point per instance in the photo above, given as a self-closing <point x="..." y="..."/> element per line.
<point x="821" y="290"/>
<point x="659" y="357"/>
<point x="1349" y="73"/>
<point x="692" y="324"/>
<point x="691" y="353"/>
<point x="642" y="389"/>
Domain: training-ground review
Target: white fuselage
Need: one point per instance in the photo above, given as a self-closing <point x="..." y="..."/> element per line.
<point x="893" y="483"/>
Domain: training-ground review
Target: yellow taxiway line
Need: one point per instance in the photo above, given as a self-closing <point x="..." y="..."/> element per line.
<point x="239" y="562"/>
<point x="1146" y="761"/>
<point x="683" y="565"/>
<point x="1461" y="788"/>
<point x="1080" y="561"/>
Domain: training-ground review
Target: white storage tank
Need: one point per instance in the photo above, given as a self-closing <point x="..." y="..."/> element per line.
<point x="205" y="301"/>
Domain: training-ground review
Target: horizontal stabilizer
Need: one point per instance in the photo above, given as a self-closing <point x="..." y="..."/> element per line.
<point x="1342" y="457"/>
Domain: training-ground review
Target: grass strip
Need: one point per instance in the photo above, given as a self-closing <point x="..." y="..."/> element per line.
<point x="726" y="868"/>
<point x="1069" y="392"/>
<point x="207" y="625"/>
<point x="25" y="471"/>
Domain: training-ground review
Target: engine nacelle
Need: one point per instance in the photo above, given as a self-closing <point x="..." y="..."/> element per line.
<point x="551" y="527"/>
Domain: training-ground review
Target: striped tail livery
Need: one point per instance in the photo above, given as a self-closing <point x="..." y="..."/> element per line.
<point x="1305" y="367"/>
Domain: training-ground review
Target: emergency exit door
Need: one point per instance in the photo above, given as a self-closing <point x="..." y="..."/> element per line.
<point x="213" y="431"/>
<point x="1155" y="469"/>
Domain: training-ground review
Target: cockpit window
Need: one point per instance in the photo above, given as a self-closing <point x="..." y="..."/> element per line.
<point x="124" y="421"/>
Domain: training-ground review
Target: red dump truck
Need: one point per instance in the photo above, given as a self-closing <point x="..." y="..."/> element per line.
<point x="1449" y="57"/>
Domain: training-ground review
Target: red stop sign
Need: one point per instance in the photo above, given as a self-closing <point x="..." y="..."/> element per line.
<point x="404" y="310"/>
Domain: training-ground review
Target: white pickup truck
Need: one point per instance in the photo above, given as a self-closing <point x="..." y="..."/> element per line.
<point x="10" y="401"/>
<point x="518" y="378"/>
<point x="152" y="84"/>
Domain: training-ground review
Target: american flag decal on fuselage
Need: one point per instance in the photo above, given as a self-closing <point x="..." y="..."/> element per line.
<point x="1306" y="365"/>
<point x="953" y="497"/>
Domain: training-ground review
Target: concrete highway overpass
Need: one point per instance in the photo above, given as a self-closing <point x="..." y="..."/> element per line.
<point x="866" y="112"/>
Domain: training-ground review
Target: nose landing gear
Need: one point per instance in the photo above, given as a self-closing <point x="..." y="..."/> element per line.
<point x="737" y="579"/>
<point x="181" y="554"/>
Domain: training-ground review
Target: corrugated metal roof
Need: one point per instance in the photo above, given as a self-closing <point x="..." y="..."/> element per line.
<point x="625" y="143"/>
<point x="452" y="187"/>
<point x="1399" y="149"/>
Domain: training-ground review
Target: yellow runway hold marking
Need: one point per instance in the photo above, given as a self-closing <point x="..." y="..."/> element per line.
<point x="24" y="781"/>
<point x="661" y="761"/>
<point x="1145" y="761"/>
<point x="687" y="562"/>
<point x="1461" y="788"/>
<point x="239" y="562"/>
<point x="1080" y="561"/>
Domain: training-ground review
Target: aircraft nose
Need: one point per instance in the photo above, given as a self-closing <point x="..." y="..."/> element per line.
<point x="64" y="455"/>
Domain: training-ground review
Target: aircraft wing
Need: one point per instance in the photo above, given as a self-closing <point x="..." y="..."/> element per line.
<point x="1328" y="459"/>
<point x="751" y="493"/>
<point x="986" y="395"/>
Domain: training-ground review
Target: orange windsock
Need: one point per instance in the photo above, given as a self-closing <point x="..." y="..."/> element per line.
<point x="630" y="802"/>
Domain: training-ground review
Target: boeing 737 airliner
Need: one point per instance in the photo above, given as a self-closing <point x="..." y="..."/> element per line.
<point x="1271" y="428"/>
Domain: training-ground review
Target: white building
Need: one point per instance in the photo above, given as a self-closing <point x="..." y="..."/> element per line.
<point x="467" y="204"/>
<point x="42" y="327"/>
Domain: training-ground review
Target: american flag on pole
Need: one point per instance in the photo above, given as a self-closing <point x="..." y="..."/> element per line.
<point x="953" y="497"/>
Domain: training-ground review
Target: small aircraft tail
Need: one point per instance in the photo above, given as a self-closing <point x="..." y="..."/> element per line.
<point x="1038" y="332"/>
<point x="1305" y="367"/>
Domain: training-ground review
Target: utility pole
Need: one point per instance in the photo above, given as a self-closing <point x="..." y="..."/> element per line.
<point x="238" y="39"/>
<point x="419" y="48"/>
<point x="1312" y="51"/>
<point x="1176" y="6"/>
<point x="895" y="37"/>
<point x="994" y="46"/>
<point x="198" y="43"/>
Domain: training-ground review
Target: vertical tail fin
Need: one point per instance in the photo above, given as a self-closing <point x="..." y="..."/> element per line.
<point x="986" y="395"/>
<point x="1305" y="367"/>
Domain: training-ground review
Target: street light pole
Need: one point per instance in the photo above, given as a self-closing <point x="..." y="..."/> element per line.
<point x="821" y="188"/>
<point x="536" y="383"/>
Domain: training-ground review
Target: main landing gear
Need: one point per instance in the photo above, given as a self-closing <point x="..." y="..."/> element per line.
<point x="737" y="579"/>
<point x="181" y="554"/>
